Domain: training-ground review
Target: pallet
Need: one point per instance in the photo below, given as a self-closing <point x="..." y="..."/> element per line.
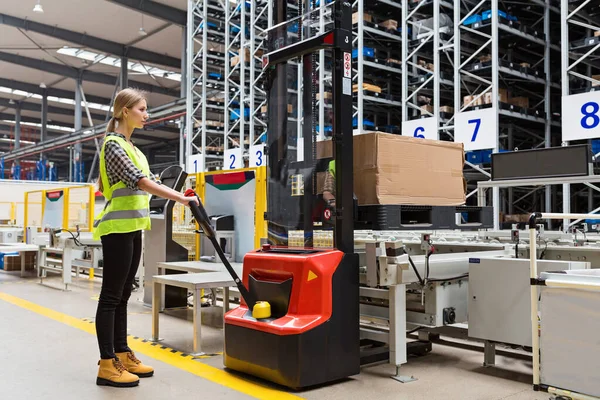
<point x="408" y="217"/>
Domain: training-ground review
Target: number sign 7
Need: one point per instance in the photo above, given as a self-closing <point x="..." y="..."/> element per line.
<point x="477" y="123"/>
<point x="477" y="130"/>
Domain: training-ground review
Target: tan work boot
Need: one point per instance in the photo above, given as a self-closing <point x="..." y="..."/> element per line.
<point x="135" y="366"/>
<point x="113" y="373"/>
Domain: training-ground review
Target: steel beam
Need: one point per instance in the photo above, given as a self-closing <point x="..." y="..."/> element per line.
<point x="75" y="73"/>
<point x="31" y="88"/>
<point x="83" y="39"/>
<point x="124" y="77"/>
<point x="18" y="129"/>
<point x="44" y="122"/>
<point x="156" y="10"/>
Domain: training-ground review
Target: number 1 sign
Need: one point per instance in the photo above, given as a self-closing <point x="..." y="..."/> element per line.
<point x="581" y="116"/>
<point x="477" y="130"/>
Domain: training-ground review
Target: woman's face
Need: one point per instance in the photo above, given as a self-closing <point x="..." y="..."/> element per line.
<point x="137" y="115"/>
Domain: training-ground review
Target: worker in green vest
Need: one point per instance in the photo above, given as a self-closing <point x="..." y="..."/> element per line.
<point x="329" y="185"/>
<point x="126" y="182"/>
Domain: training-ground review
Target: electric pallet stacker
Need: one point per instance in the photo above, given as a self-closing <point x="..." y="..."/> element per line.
<point x="298" y="323"/>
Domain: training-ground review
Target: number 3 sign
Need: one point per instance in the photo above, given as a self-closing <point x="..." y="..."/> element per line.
<point x="581" y="116"/>
<point x="477" y="130"/>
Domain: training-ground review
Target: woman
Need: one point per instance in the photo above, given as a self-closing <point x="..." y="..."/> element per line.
<point x="125" y="181"/>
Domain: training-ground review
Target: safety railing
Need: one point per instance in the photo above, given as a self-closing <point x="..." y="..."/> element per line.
<point x="184" y="230"/>
<point x="64" y="208"/>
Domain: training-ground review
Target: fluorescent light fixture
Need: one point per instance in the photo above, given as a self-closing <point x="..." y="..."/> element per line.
<point x="38" y="8"/>
<point x="13" y="140"/>
<point x="116" y="62"/>
<point x="48" y="126"/>
<point x="54" y="99"/>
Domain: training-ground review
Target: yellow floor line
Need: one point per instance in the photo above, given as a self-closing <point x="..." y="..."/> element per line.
<point x="174" y="358"/>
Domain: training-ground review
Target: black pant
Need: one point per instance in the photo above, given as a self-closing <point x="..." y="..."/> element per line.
<point x="121" y="254"/>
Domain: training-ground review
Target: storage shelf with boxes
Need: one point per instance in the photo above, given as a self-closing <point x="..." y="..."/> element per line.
<point x="377" y="62"/>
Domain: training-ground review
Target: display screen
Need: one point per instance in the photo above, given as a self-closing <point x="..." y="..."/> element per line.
<point x="542" y="163"/>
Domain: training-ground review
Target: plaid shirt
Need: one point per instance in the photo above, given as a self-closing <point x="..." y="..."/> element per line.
<point x="119" y="166"/>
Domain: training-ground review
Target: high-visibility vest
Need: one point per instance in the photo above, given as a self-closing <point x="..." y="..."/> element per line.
<point x="126" y="210"/>
<point x="332" y="168"/>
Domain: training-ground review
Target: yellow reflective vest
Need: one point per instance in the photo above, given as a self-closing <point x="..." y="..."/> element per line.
<point x="126" y="210"/>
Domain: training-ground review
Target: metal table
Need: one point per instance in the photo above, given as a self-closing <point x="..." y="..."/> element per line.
<point x="196" y="283"/>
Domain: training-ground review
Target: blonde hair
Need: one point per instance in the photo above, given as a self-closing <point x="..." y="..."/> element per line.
<point x="126" y="98"/>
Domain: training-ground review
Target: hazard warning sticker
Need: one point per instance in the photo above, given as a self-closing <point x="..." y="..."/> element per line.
<point x="347" y="65"/>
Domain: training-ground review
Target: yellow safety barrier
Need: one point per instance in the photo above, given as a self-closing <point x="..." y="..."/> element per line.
<point x="77" y="208"/>
<point x="8" y="212"/>
<point x="184" y="232"/>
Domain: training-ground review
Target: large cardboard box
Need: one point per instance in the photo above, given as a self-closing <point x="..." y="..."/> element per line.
<point x="394" y="169"/>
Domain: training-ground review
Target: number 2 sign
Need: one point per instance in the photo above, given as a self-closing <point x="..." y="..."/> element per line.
<point x="581" y="116"/>
<point x="233" y="159"/>
<point x="477" y="130"/>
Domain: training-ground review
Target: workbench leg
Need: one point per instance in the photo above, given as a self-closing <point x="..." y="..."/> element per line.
<point x="225" y="300"/>
<point x="22" y="264"/>
<point x="67" y="266"/>
<point x="156" y="295"/>
<point x="197" y="322"/>
<point x="489" y="354"/>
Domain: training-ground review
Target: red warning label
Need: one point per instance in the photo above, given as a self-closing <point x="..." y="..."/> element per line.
<point x="347" y="65"/>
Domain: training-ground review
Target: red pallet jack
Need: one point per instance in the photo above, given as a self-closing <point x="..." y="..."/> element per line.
<point x="298" y="322"/>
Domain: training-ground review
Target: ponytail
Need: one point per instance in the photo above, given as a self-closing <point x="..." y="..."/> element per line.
<point x="111" y="125"/>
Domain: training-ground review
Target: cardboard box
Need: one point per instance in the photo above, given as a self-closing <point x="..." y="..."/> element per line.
<point x="467" y="100"/>
<point x="430" y="66"/>
<point x="485" y="58"/>
<point x="597" y="33"/>
<point x="366" y="18"/>
<point x="367" y="86"/>
<point x="393" y="169"/>
<point x="13" y="262"/>
<point x="596" y="77"/>
<point x="290" y="109"/>
<point x="389" y="24"/>
<point x="520" y="101"/>
<point x="427" y="107"/>
<point x="326" y="95"/>
<point x="526" y="65"/>
<point x="447" y="109"/>
<point x="502" y="96"/>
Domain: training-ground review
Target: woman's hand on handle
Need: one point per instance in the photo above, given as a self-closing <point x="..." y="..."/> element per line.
<point x="186" y="200"/>
<point x="165" y="192"/>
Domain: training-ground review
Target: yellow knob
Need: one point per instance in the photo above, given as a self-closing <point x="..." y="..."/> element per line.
<point x="262" y="309"/>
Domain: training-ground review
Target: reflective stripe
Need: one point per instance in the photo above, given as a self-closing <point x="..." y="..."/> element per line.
<point x="127" y="192"/>
<point x="122" y="214"/>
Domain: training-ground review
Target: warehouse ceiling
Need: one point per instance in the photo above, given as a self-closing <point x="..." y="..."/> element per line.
<point x="71" y="39"/>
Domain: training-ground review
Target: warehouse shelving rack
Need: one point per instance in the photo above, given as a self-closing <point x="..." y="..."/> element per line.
<point x="503" y="62"/>
<point x="245" y="40"/>
<point x="580" y="72"/>
<point x="205" y="110"/>
<point x="428" y="57"/>
<point x="377" y="63"/>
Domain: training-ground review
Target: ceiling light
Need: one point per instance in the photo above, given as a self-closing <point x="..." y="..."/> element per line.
<point x="43" y="85"/>
<point x="11" y="101"/>
<point x="142" y="32"/>
<point x="38" y="8"/>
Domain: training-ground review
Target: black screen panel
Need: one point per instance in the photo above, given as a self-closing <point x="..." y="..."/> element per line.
<point x="549" y="162"/>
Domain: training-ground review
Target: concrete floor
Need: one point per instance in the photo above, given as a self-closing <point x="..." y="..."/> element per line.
<point x="49" y="359"/>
